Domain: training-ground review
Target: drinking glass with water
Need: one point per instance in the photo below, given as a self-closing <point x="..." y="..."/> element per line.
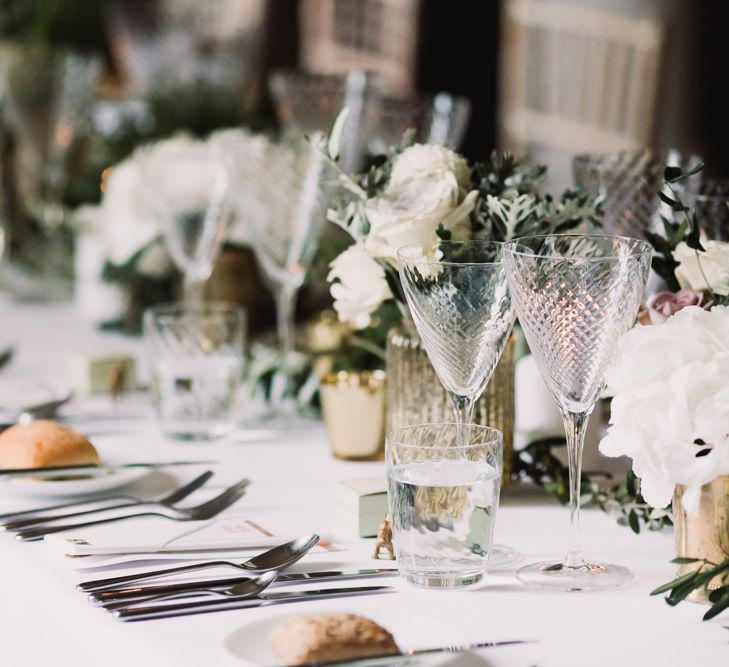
<point x="196" y="362"/>
<point x="443" y="498"/>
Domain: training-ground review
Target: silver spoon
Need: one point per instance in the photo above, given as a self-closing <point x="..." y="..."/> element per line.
<point x="278" y="558"/>
<point x="246" y="589"/>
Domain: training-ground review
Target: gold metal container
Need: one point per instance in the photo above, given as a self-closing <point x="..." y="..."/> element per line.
<point x="416" y="396"/>
<point x="705" y="535"/>
<point x="353" y="404"/>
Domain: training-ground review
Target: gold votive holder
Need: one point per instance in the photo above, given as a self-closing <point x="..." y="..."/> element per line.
<point x="353" y="404"/>
<point x="705" y="535"/>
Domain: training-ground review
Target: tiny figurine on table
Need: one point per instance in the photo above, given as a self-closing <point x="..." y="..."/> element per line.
<point x="384" y="539"/>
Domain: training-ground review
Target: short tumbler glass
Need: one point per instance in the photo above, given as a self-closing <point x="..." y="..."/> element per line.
<point x="443" y="499"/>
<point x="196" y="362"/>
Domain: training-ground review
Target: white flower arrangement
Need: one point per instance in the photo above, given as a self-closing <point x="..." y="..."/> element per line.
<point x="670" y="411"/>
<point x="424" y="193"/>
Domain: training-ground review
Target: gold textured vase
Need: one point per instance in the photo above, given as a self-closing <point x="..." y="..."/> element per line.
<point x="353" y="405"/>
<point x="705" y="535"/>
<point x="416" y="396"/>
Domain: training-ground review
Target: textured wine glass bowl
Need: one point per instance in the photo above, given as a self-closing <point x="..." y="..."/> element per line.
<point x="279" y="198"/>
<point x="711" y="205"/>
<point x="575" y="296"/>
<point x="437" y="119"/>
<point x="461" y="307"/>
<point x="630" y="182"/>
<point x="188" y="190"/>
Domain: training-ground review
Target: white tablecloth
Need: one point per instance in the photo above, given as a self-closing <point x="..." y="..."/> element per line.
<point x="44" y="621"/>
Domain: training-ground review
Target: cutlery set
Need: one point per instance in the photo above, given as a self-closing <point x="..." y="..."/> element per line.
<point x="128" y="601"/>
<point x="129" y="598"/>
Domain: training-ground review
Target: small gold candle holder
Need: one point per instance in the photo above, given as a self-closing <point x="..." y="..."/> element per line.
<point x="353" y="403"/>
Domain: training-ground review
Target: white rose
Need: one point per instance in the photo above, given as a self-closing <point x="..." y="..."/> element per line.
<point x="695" y="269"/>
<point x="411" y="213"/>
<point x="361" y="286"/>
<point x="423" y="160"/>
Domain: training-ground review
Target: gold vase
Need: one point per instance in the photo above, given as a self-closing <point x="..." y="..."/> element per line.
<point x="705" y="535"/>
<point x="416" y="396"/>
<point x="353" y="405"/>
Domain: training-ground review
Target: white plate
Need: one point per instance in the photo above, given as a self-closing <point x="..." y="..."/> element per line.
<point x="112" y="450"/>
<point x="250" y="642"/>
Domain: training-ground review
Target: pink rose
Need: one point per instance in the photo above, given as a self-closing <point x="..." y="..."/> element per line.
<point x="664" y="304"/>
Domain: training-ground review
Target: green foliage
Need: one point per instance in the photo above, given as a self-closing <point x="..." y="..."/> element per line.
<point x="686" y="230"/>
<point x="73" y="24"/>
<point x="622" y="500"/>
<point x="681" y="587"/>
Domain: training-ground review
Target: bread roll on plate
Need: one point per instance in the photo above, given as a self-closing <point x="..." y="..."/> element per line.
<point x="323" y="638"/>
<point x="44" y="443"/>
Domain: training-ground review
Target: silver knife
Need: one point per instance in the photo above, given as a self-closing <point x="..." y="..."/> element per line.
<point x="402" y="658"/>
<point x="263" y="600"/>
<point x="92" y="468"/>
<point x="140" y="592"/>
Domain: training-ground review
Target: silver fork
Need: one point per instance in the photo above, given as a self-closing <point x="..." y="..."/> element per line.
<point x="200" y="513"/>
<point x="16" y="521"/>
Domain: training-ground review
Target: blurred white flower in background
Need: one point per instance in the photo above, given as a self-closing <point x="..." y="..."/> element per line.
<point x="358" y="286"/>
<point x="670" y="412"/>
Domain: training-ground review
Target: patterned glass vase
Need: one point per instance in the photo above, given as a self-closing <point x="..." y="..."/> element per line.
<point x="416" y="396"/>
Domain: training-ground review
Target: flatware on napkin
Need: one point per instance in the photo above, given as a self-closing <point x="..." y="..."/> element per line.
<point x="226" y="604"/>
<point x="278" y="558"/>
<point x="19" y="520"/>
<point x="200" y="513"/>
<point x="92" y="468"/>
<point x="104" y="596"/>
<point x="405" y="656"/>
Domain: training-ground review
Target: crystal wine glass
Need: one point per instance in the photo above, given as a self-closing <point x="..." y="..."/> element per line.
<point x="188" y="190"/>
<point x="459" y="301"/>
<point x="630" y="182"/>
<point x="281" y="200"/>
<point x="575" y="295"/>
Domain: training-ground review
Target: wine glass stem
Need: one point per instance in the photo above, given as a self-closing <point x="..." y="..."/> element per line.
<point x="463" y="410"/>
<point x="192" y="290"/>
<point x="285" y="313"/>
<point x="575" y="423"/>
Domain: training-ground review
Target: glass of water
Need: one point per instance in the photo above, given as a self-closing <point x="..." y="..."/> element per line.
<point x="443" y="498"/>
<point x="196" y="362"/>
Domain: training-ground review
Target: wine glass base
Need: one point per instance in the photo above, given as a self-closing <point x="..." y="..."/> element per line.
<point x="591" y="577"/>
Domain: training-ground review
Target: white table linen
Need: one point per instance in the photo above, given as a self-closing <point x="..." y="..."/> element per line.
<point x="45" y="621"/>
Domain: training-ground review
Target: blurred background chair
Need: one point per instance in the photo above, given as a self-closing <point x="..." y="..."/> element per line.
<point x="379" y="36"/>
<point x="578" y="77"/>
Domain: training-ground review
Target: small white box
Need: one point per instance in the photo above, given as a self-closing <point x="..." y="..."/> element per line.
<point x="90" y="372"/>
<point x="361" y="505"/>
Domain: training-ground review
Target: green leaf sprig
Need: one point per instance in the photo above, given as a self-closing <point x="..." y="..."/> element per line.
<point x="681" y="587"/>
<point x="622" y="500"/>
